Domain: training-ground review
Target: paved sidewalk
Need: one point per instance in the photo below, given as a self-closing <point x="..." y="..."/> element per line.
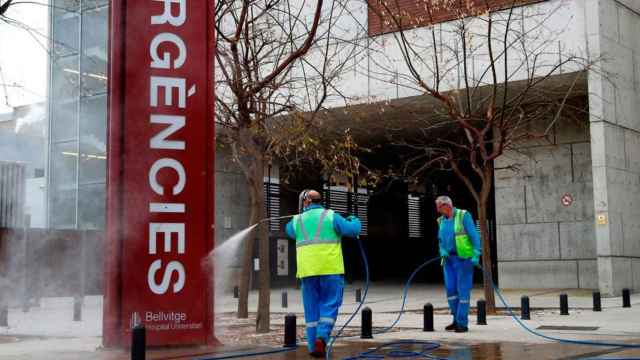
<point x="47" y="331"/>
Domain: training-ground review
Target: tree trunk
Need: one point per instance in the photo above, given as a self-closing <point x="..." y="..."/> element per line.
<point x="247" y="256"/>
<point x="263" y="320"/>
<point x="254" y="173"/>
<point x="487" y="276"/>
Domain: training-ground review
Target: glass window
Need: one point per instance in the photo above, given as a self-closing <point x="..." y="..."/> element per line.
<point x="93" y="144"/>
<point x="62" y="213"/>
<point x="66" y="33"/>
<point x="94" y="51"/>
<point x="93" y="4"/>
<point x="65" y="79"/>
<point x="91" y="206"/>
<point x="63" y="167"/>
<point x="64" y="121"/>
<point x="68" y="5"/>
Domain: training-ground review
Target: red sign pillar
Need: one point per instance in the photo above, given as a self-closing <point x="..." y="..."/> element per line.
<point x="160" y="182"/>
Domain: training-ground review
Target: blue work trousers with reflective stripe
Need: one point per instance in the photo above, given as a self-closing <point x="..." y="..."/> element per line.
<point x="321" y="297"/>
<point x="458" y="279"/>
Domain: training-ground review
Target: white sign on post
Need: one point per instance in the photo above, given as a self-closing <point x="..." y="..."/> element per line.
<point x="283" y="257"/>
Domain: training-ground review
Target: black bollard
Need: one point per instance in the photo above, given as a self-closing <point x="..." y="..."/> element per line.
<point x="482" y="312"/>
<point x="427" y="313"/>
<point x="4" y="315"/>
<point x="77" y="308"/>
<point x="285" y="301"/>
<point x="358" y="295"/>
<point x="626" y="298"/>
<point x="597" y="303"/>
<point x="138" y="343"/>
<point x="290" y="330"/>
<point x="367" y="324"/>
<point x="525" y="310"/>
<point x="564" y="304"/>
<point x="236" y="292"/>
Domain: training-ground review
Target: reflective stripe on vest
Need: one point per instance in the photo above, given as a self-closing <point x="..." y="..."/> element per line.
<point x="322" y="253"/>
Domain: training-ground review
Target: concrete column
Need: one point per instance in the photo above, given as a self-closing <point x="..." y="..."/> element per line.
<point x="614" y="98"/>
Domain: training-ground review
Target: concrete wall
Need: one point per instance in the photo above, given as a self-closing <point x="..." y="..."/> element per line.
<point x="380" y="73"/>
<point x="536" y="233"/>
<point x="232" y="210"/>
<point x="232" y="197"/>
<point x="614" y="106"/>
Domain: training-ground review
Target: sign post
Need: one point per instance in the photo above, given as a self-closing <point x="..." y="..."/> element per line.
<point x="160" y="182"/>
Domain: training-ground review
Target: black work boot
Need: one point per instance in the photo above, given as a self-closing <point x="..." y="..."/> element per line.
<point x="319" y="349"/>
<point x="461" y="329"/>
<point x="451" y="327"/>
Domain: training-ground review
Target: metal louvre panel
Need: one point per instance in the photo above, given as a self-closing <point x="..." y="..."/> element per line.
<point x="272" y="204"/>
<point x="344" y="202"/>
<point x="12" y="193"/>
<point x="414" y="207"/>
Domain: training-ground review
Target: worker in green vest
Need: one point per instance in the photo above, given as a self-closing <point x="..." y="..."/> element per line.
<point x="460" y="250"/>
<point x="318" y="232"/>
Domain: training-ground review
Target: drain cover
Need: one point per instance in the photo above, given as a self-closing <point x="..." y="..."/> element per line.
<point x="572" y="328"/>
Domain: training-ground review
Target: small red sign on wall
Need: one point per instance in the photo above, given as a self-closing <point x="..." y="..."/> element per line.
<point x="566" y="200"/>
<point x="160" y="172"/>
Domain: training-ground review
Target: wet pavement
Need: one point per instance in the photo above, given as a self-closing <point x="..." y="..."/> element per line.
<point x="373" y="349"/>
<point x="457" y="351"/>
<point x="47" y="332"/>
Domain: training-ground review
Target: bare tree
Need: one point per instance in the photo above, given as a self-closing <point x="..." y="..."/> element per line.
<point x="491" y="72"/>
<point x="276" y="63"/>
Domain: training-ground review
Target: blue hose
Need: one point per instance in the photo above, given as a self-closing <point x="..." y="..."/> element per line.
<point x="405" y="294"/>
<point x="364" y="297"/>
<point x="394" y="349"/>
<point x="561" y="340"/>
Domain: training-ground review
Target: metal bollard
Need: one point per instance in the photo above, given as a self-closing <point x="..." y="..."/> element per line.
<point x="138" y="343"/>
<point x="77" y="308"/>
<point x="427" y="313"/>
<point x="626" y="298"/>
<point x="564" y="304"/>
<point x="4" y="315"/>
<point x="525" y="310"/>
<point x="367" y="324"/>
<point x="285" y="300"/>
<point x="290" y="330"/>
<point x="236" y="292"/>
<point x="358" y="295"/>
<point x="597" y="303"/>
<point x="482" y="312"/>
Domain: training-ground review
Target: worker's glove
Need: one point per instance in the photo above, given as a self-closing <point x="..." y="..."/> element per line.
<point x="476" y="261"/>
<point x="443" y="256"/>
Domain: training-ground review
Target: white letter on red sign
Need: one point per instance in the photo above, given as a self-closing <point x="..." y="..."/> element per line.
<point x="167" y="229"/>
<point x="167" y="163"/>
<point x="167" y="17"/>
<point x="165" y="61"/>
<point x="168" y="83"/>
<point x="159" y="141"/>
<point x="166" y="279"/>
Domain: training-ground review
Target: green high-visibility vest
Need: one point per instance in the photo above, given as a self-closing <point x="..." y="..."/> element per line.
<point x="464" y="249"/>
<point x="318" y="247"/>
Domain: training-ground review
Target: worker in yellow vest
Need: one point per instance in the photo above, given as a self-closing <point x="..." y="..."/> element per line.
<point x="460" y="250"/>
<point x="318" y="232"/>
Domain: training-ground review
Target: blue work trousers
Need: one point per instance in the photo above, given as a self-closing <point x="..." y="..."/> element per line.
<point x="458" y="280"/>
<point x="322" y="298"/>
